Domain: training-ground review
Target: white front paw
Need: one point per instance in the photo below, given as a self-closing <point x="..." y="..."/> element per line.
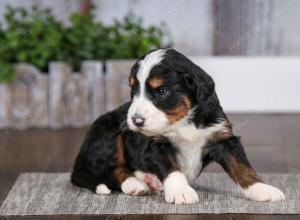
<point x="183" y="195"/>
<point x="134" y="186"/>
<point x="178" y="191"/>
<point x="263" y="192"/>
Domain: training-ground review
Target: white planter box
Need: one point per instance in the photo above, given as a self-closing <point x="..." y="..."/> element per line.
<point x="59" y="99"/>
<point x="116" y="82"/>
<point x="62" y="98"/>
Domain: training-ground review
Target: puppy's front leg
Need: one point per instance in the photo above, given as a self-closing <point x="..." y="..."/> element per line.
<point x="165" y="166"/>
<point x="177" y="190"/>
<point x="231" y="156"/>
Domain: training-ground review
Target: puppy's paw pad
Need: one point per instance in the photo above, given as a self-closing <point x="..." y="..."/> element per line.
<point x="134" y="186"/>
<point x="183" y="195"/>
<point x="102" y="189"/>
<point x="263" y="192"/>
<point x="153" y="182"/>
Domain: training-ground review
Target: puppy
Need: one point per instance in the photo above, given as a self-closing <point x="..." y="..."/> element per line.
<point x="173" y="127"/>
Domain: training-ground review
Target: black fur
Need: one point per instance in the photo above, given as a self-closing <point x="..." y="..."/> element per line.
<point x="222" y="151"/>
<point x="97" y="158"/>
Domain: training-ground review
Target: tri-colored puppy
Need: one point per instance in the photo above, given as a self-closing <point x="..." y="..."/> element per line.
<point x="173" y="127"/>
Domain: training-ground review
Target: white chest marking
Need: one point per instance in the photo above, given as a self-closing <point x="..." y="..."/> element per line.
<point x="190" y="142"/>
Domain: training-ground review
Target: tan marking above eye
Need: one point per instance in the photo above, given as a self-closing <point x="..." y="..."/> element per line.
<point x="131" y="81"/>
<point x="156" y="82"/>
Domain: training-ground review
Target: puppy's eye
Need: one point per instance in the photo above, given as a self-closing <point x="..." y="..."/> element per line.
<point x="163" y="91"/>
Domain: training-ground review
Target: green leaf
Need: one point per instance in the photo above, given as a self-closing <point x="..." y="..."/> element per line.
<point x="6" y="72"/>
<point x="35" y="36"/>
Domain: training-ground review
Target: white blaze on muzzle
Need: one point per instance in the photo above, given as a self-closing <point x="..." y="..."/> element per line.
<point x="154" y="119"/>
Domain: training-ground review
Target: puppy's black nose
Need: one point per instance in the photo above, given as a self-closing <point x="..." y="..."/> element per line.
<point x="138" y="120"/>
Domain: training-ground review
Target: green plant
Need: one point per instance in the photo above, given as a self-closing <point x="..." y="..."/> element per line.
<point x="83" y="40"/>
<point x="31" y="36"/>
<point x="36" y="37"/>
<point x="6" y="70"/>
<point x="130" y="39"/>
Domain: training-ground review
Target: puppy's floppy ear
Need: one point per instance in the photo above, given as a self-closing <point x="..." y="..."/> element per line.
<point x="200" y="84"/>
<point x="202" y="88"/>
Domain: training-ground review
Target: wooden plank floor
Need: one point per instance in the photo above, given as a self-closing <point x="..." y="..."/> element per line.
<point x="272" y="143"/>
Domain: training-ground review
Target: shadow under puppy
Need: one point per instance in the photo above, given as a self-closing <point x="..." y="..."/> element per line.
<point x="173" y="127"/>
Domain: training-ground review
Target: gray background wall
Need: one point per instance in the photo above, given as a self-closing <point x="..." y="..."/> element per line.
<point x="205" y="27"/>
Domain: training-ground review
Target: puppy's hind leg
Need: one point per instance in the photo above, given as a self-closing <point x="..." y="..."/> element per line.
<point x="86" y="179"/>
<point x="150" y="179"/>
<point x="102" y="189"/>
<point x="124" y="177"/>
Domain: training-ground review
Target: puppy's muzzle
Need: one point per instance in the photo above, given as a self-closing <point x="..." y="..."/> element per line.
<point x="138" y="120"/>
